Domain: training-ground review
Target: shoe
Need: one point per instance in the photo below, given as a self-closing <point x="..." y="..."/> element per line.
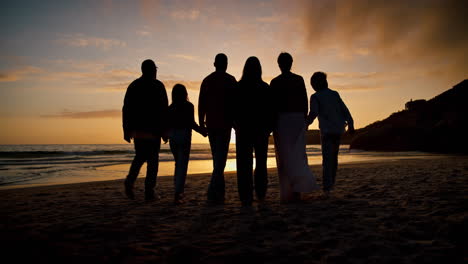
<point x="296" y="197"/>
<point x="246" y="203"/>
<point x="325" y="195"/>
<point x="179" y="198"/>
<point x="215" y="202"/>
<point x="129" y="190"/>
<point x="149" y="195"/>
<point x="261" y="200"/>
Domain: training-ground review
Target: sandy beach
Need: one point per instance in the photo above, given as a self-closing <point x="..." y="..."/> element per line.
<point x="405" y="211"/>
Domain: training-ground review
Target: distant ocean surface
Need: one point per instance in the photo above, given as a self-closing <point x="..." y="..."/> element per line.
<point x="32" y="165"/>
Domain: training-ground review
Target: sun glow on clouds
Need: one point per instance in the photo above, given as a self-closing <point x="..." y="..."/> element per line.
<point x="81" y="40"/>
<point x="185" y="14"/>
<point x="416" y="32"/>
<point x="377" y="54"/>
<point x="87" y="115"/>
<point x="19" y="74"/>
<point x="143" y="33"/>
<point x="185" y="57"/>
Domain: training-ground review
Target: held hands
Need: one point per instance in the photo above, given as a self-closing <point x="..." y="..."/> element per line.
<point x="127" y="137"/>
<point x="235" y="125"/>
<point x="165" y="136"/>
<point x="309" y="120"/>
<point x="203" y="131"/>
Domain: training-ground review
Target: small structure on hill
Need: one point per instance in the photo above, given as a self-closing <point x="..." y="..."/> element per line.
<point x="416" y="104"/>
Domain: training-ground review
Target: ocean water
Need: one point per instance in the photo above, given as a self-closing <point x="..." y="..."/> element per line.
<point x="32" y="165"/>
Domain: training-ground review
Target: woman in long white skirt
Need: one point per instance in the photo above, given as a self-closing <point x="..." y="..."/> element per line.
<point x="294" y="173"/>
<point x="290" y="100"/>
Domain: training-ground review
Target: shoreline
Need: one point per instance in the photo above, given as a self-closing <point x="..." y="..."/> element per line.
<point x="199" y="167"/>
<point x="405" y="211"/>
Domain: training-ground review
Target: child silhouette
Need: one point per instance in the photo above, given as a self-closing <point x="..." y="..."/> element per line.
<point x="181" y="122"/>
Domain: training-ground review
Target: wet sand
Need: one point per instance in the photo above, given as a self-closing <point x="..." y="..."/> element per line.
<point x="405" y="211"/>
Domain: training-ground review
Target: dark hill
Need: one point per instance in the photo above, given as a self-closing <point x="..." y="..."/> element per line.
<point x="437" y="125"/>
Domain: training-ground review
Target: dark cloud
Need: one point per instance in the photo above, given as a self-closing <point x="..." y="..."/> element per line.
<point x="425" y="31"/>
<point x="86" y="115"/>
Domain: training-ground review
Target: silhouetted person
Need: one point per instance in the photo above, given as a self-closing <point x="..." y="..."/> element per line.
<point x="253" y="122"/>
<point x="143" y="113"/>
<point x="290" y="99"/>
<point x="181" y="122"/>
<point x="214" y="111"/>
<point x="333" y="117"/>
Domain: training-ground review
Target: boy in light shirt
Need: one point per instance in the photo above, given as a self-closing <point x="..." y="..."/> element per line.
<point x="333" y="116"/>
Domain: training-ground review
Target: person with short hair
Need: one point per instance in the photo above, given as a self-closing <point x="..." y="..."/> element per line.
<point x="144" y="120"/>
<point x="290" y="100"/>
<point x="215" y="112"/>
<point x="333" y="116"/>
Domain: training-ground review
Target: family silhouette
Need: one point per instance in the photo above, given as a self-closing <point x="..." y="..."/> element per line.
<point x="254" y="109"/>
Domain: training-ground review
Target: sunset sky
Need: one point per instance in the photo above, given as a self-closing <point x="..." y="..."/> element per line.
<point x="65" y="65"/>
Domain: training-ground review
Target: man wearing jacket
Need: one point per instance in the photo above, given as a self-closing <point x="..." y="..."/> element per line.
<point x="215" y="112"/>
<point x="143" y="115"/>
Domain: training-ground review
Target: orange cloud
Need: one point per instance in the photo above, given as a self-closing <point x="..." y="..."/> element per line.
<point x="150" y="10"/>
<point x="87" y="115"/>
<point x="81" y="40"/>
<point x="354" y="75"/>
<point x="97" y="76"/>
<point x="355" y="87"/>
<point x="18" y="74"/>
<point x="122" y="86"/>
<point x="190" y="85"/>
<point x="400" y="31"/>
<point x="185" y="57"/>
<point x="143" y="33"/>
<point x="366" y="81"/>
<point x="185" y="14"/>
<point x="270" y="19"/>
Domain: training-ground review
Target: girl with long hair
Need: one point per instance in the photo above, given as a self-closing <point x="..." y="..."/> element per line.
<point x="253" y="122"/>
<point x="181" y="122"/>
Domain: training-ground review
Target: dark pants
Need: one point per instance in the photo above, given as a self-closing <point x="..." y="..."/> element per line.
<point x="146" y="150"/>
<point x="330" y="148"/>
<point x="246" y="143"/>
<point x="219" y="143"/>
<point x="180" y="142"/>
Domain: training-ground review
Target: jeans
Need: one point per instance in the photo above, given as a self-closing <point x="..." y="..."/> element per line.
<point x="219" y="142"/>
<point x="180" y="142"/>
<point x="246" y="143"/>
<point x="330" y="148"/>
<point x="146" y="150"/>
